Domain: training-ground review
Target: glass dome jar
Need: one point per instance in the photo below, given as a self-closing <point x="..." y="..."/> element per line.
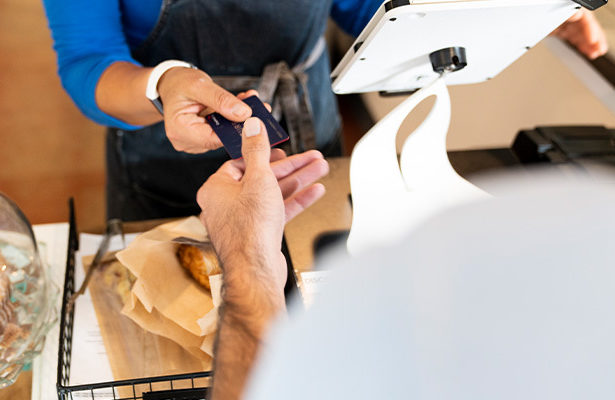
<point x="27" y="296"/>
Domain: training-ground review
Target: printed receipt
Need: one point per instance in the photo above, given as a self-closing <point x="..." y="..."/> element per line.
<point x="89" y="361"/>
<point x="311" y="284"/>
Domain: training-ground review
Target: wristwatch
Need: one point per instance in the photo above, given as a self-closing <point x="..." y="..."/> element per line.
<point x="151" y="90"/>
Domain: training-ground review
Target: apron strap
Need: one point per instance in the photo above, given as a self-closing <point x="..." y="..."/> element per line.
<point x="315" y="54"/>
<point x="269" y="81"/>
<point x="287" y="91"/>
<point x="237" y="84"/>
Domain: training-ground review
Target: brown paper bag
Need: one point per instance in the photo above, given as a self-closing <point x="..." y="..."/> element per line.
<point x="165" y="299"/>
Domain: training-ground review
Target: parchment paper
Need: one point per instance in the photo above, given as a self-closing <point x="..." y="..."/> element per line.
<point x="165" y="299"/>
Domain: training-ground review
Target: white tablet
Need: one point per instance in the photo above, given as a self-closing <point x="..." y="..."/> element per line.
<point x="392" y="52"/>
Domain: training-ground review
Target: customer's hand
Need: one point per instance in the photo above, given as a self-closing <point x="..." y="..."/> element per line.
<point x="245" y="205"/>
<point x="247" y="202"/>
<point x="584" y="32"/>
<point x="187" y="96"/>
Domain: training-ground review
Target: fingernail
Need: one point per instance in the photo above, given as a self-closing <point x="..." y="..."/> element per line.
<point x="241" y="110"/>
<point x="252" y="127"/>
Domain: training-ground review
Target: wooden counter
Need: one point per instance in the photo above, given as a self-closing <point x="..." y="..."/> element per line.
<point x="329" y="214"/>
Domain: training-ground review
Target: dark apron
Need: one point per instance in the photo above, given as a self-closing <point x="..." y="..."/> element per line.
<point x="234" y="41"/>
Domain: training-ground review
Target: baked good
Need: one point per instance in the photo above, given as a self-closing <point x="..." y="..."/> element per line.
<point x="118" y="277"/>
<point x="202" y="262"/>
<point x="9" y="330"/>
<point x="6" y="307"/>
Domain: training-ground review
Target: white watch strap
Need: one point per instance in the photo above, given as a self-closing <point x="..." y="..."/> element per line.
<point x="151" y="91"/>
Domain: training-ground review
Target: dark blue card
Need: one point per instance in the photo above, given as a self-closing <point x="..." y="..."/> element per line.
<point x="229" y="132"/>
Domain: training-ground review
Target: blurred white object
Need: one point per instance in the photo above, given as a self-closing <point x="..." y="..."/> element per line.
<point x="508" y="298"/>
<point x="400" y="50"/>
<point x="390" y="198"/>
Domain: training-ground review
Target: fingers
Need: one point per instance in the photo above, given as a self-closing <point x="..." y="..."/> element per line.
<point x="299" y="202"/>
<point x="283" y="166"/>
<point x="232" y="169"/>
<point x="597" y="44"/>
<point x="589" y="36"/>
<point x="255" y="146"/>
<point x="303" y="177"/>
<point x="190" y="133"/>
<point x="227" y="173"/>
<point x="287" y="166"/>
<point x="296" y="172"/>
<point x="219" y="100"/>
<point x="277" y="155"/>
<point x="190" y="94"/>
<point x="584" y="32"/>
<point x="577" y="16"/>
<point x="593" y="50"/>
<point x="250" y="93"/>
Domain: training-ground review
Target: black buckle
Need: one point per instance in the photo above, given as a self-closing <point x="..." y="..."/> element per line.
<point x="591" y="4"/>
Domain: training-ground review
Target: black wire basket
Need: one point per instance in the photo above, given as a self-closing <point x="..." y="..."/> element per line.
<point x="192" y="386"/>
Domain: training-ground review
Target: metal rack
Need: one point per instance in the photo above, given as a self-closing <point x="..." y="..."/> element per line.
<point x="193" y="386"/>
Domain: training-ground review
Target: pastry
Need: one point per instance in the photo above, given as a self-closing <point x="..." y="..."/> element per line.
<point x="118" y="277"/>
<point x="6" y="307"/>
<point x="201" y="262"/>
<point x="9" y="330"/>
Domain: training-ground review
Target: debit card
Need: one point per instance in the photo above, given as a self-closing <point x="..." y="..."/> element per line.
<point x="229" y="132"/>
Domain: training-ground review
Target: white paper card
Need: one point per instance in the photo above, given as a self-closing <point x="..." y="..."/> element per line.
<point x="311" y="284"/>
<point x="89" y="361"/>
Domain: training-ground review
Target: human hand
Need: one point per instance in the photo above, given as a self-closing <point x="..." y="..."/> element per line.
<point x="187" y="96"/>
<point x="246" y="203"/>
<point x="584" y="32"/>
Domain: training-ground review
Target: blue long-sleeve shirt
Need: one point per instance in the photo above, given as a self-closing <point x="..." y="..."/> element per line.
<point x="90" y="35"/>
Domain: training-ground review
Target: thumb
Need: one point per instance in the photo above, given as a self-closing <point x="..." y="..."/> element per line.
<point x="255" y="146"/>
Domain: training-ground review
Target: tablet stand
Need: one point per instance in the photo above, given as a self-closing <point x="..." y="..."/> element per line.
<point x="391" y="197"/>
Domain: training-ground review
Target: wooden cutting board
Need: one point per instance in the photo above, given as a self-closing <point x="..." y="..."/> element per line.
<point x="132" y="351"/>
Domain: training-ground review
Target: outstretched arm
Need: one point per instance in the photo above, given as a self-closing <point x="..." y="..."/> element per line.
<point x="245" y="206"/>
<point x="187" y="95"/>
<point x="108" y="85"/>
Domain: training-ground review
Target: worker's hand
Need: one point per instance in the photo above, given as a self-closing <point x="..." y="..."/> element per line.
<point x="247" y="202"/>
<point x="187" y="96"/>
<point x="584" y="32"/>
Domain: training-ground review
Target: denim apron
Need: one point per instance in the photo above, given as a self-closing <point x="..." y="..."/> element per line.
<point x="235" y="42"/>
